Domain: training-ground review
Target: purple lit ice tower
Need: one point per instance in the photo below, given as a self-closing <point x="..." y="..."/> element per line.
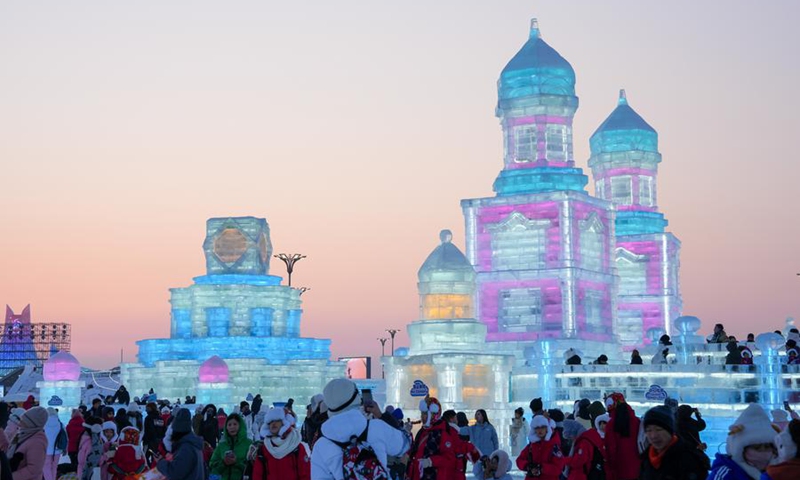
<point x="624" y="165"/>
<point x="542" y="247"/>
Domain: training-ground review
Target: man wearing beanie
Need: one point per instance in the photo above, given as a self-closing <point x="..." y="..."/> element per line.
<point x="750" y="446"/>
<point x="667" y="457"/>
<point x="345" y="421"/>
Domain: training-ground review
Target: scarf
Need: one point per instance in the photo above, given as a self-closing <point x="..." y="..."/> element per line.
<point x="656" y="458"/>
<point x="280" y="447"/>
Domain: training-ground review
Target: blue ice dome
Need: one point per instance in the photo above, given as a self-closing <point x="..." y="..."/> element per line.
<point x="446" y="263"/>
<point x="624" y="130"/>
<point x="537" y="69"/>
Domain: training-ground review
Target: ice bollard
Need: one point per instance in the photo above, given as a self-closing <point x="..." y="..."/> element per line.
<point x="770" y="369"/>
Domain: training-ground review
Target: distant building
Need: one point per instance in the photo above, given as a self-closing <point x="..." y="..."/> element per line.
<point x="25" y="343"/>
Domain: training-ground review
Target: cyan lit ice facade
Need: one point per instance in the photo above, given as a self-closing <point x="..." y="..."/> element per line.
<point x="624" y="162"/>
<point x="542" y="247"/>
<point x="240" y="314"/>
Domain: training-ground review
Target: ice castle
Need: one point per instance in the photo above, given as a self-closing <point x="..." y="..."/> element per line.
<point x="549" y="267"/>
<point x="235" y="331"/>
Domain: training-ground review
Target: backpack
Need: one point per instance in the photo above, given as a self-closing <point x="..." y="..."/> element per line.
<point x="61" y="440"/>
<point x="359" y="461"/>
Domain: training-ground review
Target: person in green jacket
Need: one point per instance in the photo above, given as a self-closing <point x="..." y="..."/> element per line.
<point x="230" y="456"/>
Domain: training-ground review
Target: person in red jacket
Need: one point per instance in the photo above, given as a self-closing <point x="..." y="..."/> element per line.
<point x="542" y="458"/>
<point x="128" y="460"/>
<point x="283" y="455"/>
<point x="589" y="453"/>
<point x="621" y="440"/>
<point x="442" y="451"/>
<point x="74" y="432"/>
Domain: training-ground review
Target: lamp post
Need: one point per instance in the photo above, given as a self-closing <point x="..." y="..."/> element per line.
<point x="392" y="332"/>
<point x="383" y="354"/>
<point x="290" y="260"/>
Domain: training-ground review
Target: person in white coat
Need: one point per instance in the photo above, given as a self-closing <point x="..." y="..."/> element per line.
<point x="346" y="421"/>
<point x="51" y="429"/>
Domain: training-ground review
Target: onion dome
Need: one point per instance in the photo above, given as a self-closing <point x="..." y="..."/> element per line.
<point x="446" y="263"/>
<point x="62" y="366"/>
<point x="214" y="370"/>
<point x="624" y="130"/>
<point x="537" y="69"/>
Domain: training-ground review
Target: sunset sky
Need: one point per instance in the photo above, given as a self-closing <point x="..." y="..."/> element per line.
<point x="355" y="128"/>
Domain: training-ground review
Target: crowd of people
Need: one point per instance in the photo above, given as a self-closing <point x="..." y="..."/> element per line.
<point x="346" y="437"/>
<point x="739" y="353"/>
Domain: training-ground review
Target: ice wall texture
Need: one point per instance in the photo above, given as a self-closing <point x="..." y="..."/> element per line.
<point x="624" y="162"/>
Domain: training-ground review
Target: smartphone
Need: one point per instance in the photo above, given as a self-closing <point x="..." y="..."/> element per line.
<point x="786" y="406"/>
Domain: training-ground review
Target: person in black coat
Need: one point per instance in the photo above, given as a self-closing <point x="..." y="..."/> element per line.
<point x="209" y="426"/>
<point x="688" y="428"/>
<point x="154" y="428"/>
<point x="256" y="406"/>
<point x="187" y="451"/>
<point x="122" y="396"/>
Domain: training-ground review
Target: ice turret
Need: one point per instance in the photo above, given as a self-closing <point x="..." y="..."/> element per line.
<point x="624" y="165"/>
<point x="536" y="105"/>
<point x="62" y="366"/>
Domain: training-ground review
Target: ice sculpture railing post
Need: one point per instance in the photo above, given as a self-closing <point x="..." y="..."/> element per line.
<point x="770" y="369"/>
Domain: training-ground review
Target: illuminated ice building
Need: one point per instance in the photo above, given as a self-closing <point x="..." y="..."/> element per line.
<point x="549" y="267"/>
<point x="235" y="331"/>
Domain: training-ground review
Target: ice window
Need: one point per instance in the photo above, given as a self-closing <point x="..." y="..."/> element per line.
<point x="520" y="310"/>
<point x="632" y="271"/>
<point x="599" y="189"/>
<point x="557" y="143"/>
<point x="594" y="311"/>
<point x="519" y="249"/>
<point x="525" y="139"/>
<point x="621" y="190"/>
<point x="646" y="191"/>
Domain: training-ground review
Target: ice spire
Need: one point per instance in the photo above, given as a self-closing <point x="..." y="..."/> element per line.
<point x="535" y="28"/>
<point x="623" y="98"/>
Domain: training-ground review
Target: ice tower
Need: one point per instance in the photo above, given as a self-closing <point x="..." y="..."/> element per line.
<point x="447" y="343"/>
<point x="624" y="162"/>
<point x="243" y="316"/>
<point x="542" y="247"/>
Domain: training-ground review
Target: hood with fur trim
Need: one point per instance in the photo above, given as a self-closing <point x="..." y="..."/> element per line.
<point x="751" y="428"/>
<point x="503" y="463"/>
<point x="787" y="449"/>
<point x="537" y="422"/>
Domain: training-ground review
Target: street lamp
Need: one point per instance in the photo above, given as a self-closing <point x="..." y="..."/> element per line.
<point x="392" y="332"/>
<point x="289" y="260"/>
<point x="383" y="354"/>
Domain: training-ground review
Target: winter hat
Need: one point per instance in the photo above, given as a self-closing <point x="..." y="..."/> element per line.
<point x="613" y="400"/>
<point x="572" y="429"/>
<point x="751" y="428"/>
<point x="165" y="410"/>
<point x="595" y="410"/>
<point x="182" y="422"/>
<point x="599" y="419"/>
<point x="503" y="463"/>
<point x="275" y="415"/>
<point x="398" y="414"/>
<point x="36" y="417"/>
<point x="133" y="408"/>
<point x="340" y="396"/>
<point x="787" y="442"/>
<point x="432" y="407"/>
<point x="129" y="437"/>
<point x="660" y="416"/>
<point x="317" y="401"/>
<point x="665" y="340"/>
<point x="110" y="426"/>
<point x="536" y="405"/>
<point x="539" y="421"/>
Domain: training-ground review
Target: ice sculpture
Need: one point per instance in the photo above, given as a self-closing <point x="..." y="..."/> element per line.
<point x="624" y="165"/>
<point x="447" y="344"/>
<point x="542" y="247"/>
<point x="61" y="387"/>
<point x="241" y="316"/>
<point x="214" y="386"/>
